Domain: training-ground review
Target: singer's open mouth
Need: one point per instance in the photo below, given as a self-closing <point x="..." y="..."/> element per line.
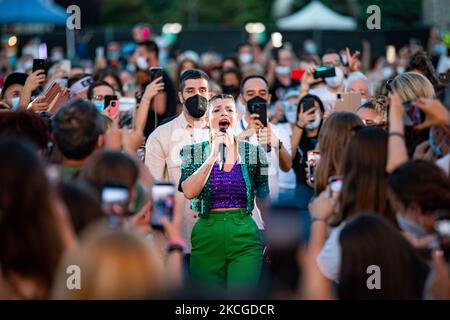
<point x="224" y="123"/>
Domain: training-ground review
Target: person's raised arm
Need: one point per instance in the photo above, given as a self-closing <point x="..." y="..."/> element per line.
<point x="151" y="91"/>
<point x="33" y="82"/>
<point x="303" y="119"/>
<point x="397" y="151"/>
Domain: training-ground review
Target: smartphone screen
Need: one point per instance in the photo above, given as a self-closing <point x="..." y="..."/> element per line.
<point x="115" y="201"/>
<point x="127" y="108"/>
<point x="163" y="203"/>
<point x="313" y="158"/>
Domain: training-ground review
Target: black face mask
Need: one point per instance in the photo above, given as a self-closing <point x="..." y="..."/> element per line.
<point x="253" y="101"/>
<point x="196" y="106"/>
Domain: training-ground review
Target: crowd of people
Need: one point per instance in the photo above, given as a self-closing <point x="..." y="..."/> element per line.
<point x="262" y="174"/>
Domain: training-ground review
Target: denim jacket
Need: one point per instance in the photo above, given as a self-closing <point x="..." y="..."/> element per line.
<point x="254" y="168"/>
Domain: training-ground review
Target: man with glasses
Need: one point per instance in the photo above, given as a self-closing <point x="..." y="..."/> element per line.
<point x="97" y="92"/>
<point x="333" y="84"/>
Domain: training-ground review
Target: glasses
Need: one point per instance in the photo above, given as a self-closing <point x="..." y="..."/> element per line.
<point x="389" y="85"/>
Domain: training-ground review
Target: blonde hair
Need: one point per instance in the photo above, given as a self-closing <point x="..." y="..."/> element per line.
<point x="411" y="86"/>
<point x="114" y="264"/>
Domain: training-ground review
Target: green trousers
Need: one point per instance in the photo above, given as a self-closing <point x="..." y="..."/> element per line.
<point x="226" y="250"/>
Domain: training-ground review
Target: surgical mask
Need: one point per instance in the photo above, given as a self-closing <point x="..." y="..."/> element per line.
<point x="28" y="65"/>
<point x="363" y="101"/>
<point x="337" y="80"/>
<point x="196" y="106"/>
<point x="436" y="149"/>
<point x="409" y="225"/>
<point x="439" y="49"/>
<point x="99" y="105"/>
<point x="15" y="103"/>
<point x="387" y="72"/>
<point x="290" y="112"/>
<point x="113" y="56"/>
<point x="131" y="68"/>
<point x="316" y="123"/>
<point x="311" y="47"/>
<point x="282" y="70"/>
<point x="57" y="56"/>
<point x="400" y="69"/>
<point x="142" y="63"/>
<point x="246" y="58"/>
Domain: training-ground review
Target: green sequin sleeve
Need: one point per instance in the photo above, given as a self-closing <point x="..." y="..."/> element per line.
<point x="187" y="167"/>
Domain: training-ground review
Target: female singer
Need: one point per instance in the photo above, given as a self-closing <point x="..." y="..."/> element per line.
<point x="226" y="244"/>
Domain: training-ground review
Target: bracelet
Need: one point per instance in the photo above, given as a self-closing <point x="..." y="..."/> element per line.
<point x="300" y="127"/>
<point x="178" y="244"/>
<point x="398" y="134"/>
<point x="314" y="219"/>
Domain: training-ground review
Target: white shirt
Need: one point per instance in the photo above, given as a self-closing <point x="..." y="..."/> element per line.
<point x="327" y="97"/>
<point x="330" y="257"/>
<point x="286" y="180"/>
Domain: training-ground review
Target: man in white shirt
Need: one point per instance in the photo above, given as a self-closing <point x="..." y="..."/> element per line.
<point x="251" y="128"/>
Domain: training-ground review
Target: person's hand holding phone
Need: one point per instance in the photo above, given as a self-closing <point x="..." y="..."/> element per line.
<point x="307" y="117"/>
<point x="113" y="137"/>
<point x="266" y="137"/>
<point x="435" y="113"/>
<point x="423" y="151"/>
<point x="307" y="80"/>
<point x="38" y="104"/>
<point x="322" y="207"/>
<point x="152" y="89"/>
<point x="34" y="81"/>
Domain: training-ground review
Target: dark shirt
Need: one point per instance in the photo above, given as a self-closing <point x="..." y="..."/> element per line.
<point x="299" y="163"/>
<point x="171" y="106"/>
<point x="278" y="90"/>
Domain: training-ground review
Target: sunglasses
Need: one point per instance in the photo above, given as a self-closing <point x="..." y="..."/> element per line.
<point x="389" y="85"/>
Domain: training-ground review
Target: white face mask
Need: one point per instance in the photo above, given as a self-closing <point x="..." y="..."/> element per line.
<point x="337" y="80"/>
<point x="387" y="72"/>
<point x="363" y="101"/>
<point x="246" y="58"/>
<point x="409" y="225"/>
<point x="281" y="70"/>
<point x="316" y="123"/>
<point x="28" y="65"/>
<point x="290" y="112"/>
<point x="142" y="62"/>
<point x="400" y="69"/>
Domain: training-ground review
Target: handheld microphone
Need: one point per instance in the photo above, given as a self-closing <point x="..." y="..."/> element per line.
<point x="222" y="152"/>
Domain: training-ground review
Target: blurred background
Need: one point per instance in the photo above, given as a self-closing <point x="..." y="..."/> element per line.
<point x="201" y="26"/>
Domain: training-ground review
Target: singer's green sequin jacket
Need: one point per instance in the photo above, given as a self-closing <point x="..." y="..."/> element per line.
<point x="254" y="168"/>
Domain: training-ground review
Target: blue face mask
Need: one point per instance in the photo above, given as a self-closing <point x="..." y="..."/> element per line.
<point x="99" y="105"/>
<point x="436" y="149"/>
<point x="113" y="56"/>
<point x="15" y="103"/>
